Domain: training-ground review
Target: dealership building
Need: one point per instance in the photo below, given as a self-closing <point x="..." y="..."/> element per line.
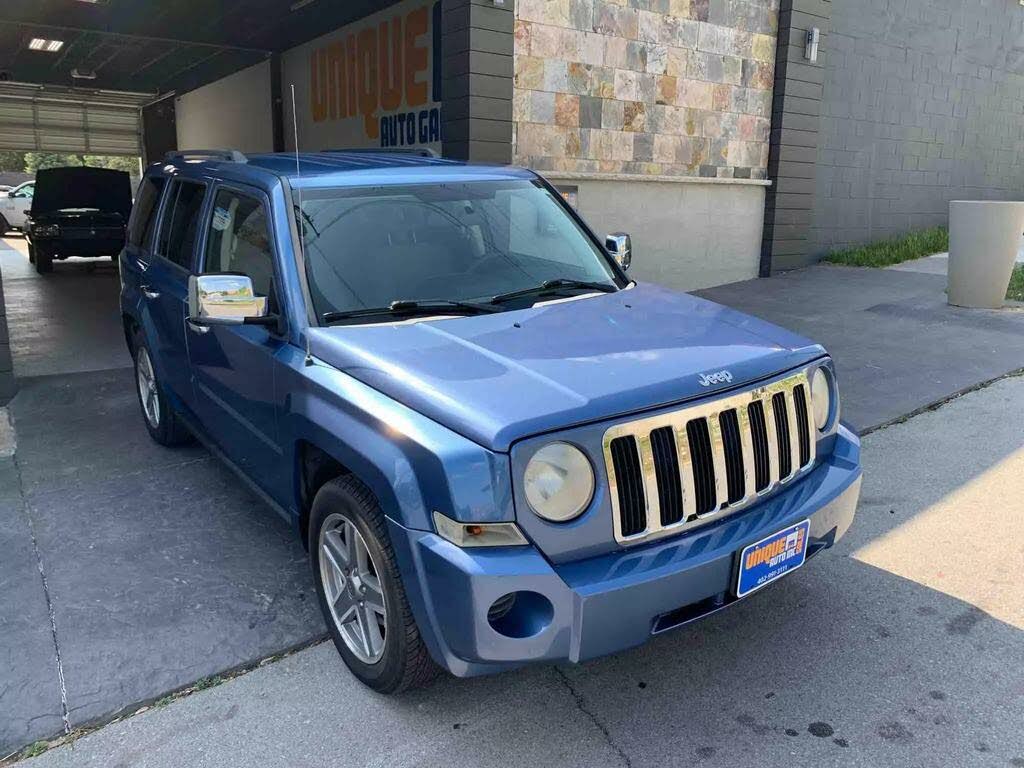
<point x="730" y="138"/>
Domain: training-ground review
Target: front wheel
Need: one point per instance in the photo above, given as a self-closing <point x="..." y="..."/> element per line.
<point x="360" y="590"/>
<point x="162" y="423"/>
<point x="43" y="260"/>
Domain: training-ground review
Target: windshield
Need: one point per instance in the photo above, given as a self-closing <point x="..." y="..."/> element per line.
<point x="368" y="247"/>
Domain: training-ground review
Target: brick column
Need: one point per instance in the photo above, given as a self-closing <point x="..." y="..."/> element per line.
<point x="476" y="82"/>
<point x="793" y="147"/>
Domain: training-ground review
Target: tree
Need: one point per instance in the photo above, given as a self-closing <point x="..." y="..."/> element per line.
<point x="37" y="160"/>
<point x="12" y="161"/>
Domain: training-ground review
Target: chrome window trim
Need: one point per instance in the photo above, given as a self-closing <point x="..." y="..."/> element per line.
<point x="641" y="429"/>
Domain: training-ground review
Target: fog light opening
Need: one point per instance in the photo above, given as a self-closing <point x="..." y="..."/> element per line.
<point x="520" y="614"/>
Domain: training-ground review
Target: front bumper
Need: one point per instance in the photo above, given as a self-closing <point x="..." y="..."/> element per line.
<point x="611" y="602"/>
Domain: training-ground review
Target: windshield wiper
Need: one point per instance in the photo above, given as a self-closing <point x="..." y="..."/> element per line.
<point x="553" y="286"/>
<point x="407" y="308"/>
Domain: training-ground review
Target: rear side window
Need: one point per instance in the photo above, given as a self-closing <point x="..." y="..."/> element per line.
<point x="181" y="222"/>
<point x="144" y="213"/>
<point x="239" y="240"/>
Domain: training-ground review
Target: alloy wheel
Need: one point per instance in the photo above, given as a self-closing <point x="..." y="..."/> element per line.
<point x="353" y="589"/>
<point x="147" y="388"/>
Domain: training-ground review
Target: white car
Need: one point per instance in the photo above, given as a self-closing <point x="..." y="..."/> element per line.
<point x="14" y="206"/>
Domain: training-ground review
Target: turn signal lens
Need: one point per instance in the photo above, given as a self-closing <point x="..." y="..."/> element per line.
<point x="478" y="534"/>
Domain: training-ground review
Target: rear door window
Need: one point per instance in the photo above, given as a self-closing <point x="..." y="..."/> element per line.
<point x="180" y="225"/>
<point x="144" y="214"/>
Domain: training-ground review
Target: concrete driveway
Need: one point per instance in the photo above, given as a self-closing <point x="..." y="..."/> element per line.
<point x="129" y="571"/>
<point x="903" y="646"/>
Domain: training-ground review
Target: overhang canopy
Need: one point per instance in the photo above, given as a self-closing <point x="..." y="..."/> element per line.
<point x="158" y="46"/>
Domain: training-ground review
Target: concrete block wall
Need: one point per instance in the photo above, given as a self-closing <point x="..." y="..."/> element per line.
<point x="645" y="87"/>
<point x="923" y="103"/>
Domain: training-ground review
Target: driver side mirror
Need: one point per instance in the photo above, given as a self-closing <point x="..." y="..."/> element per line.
<point x="225" y="299"/>
<point x="620" y="246"/>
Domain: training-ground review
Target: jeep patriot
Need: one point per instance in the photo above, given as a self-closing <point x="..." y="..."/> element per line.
<point x="497" y="448"/>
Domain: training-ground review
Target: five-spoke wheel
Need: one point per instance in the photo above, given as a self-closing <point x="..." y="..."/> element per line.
<point x="352" y="588"/>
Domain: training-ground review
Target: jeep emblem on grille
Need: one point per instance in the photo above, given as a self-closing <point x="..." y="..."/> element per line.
<point x="721" y="377"/>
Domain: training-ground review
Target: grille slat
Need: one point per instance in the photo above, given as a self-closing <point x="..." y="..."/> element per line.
<point x="703" y="464"/>
<point x="679" y="469"/>
<point x="666" y="466"/>
<point x="803" y="424"/>
<point x="629" y="485"/>
<point x="759" y="439"/>
<point x="782" y="435"/>
<point x="732" y="444"/>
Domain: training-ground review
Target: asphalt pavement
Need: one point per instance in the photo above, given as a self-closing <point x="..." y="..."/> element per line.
<point x="902" y="646"/>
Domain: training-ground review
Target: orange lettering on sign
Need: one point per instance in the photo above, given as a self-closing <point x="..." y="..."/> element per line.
<point x="336" y="81"/>
<point x="368" y="82"/>
<point x="371" y="70"/>
<point x="415" y="57"/>
<point x="391" y="64"/>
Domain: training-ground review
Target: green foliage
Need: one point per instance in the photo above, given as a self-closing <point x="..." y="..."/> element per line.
<point x="34" y="749"/>
<point x="885" y="253"/>
<point x="34" y="161"/>
<point x="12" y="161"/>
<point x="1016" y="290"/>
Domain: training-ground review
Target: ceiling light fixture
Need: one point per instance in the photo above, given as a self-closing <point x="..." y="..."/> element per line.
<point x="42" y="44"/>
<point x="300" y="4"/>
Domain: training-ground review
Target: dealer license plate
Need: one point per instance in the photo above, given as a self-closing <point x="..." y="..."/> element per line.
<point x="771" y="558"/>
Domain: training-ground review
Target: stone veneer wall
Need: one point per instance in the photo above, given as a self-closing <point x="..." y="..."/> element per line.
<point x="645" y="87"/>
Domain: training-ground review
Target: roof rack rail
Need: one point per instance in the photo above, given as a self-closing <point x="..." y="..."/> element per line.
<point x="229" y="155"/>
<point x="414" y="151"/>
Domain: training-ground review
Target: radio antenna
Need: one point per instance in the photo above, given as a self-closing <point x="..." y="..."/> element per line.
<point x="298" y="221"/>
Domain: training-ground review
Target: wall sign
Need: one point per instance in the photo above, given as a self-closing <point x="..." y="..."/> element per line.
<point x="373" y="83"/>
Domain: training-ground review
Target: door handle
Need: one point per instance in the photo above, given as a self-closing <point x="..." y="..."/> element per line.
<point x="148" y="292"/>
<point x="197" y="328"/>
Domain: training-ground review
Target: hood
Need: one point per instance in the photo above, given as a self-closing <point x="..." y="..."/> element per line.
<point x="60" y="188"/>
<point x="498" y="378"/>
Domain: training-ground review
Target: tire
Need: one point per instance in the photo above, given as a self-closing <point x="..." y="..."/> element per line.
<point x="31" y="254"/>
<point x="43" y="261"/>
<point x="341" y="506"/>
<point x="161" y="421"/>
<point x="5" y="227"/>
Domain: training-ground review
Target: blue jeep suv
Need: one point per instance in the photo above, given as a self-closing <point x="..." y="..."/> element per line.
<point x="497" y="448"/>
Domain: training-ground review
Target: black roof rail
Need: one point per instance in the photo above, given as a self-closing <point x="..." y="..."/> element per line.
<point x="414" y="151"/>
<point x="229" y="155"/>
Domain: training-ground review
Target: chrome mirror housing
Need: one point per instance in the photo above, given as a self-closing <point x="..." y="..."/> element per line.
<point x="223" y="299"/>
<point x="620" y="246"/>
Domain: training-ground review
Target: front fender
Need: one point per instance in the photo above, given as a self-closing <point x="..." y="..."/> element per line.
<point x="412" y="464"/>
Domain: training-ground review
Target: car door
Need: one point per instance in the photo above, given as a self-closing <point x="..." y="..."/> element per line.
<point x="164" y="286"/>
<point x="233" y="365"/>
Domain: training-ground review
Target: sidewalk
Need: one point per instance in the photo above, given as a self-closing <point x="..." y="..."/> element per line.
<point x="876" y="654"/>
<point x="898" y="345"/>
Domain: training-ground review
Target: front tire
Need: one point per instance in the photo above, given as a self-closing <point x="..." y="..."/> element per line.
<point x="43" y="260"/>
<point x="161" y="421"/>
<point x="360" y="590"/>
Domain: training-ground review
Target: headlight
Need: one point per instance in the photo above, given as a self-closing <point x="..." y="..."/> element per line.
<point x="821" y="398"/>
<point x="559" y="482"/>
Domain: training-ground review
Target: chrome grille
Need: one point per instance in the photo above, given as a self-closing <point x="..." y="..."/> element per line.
<point x="681" y="469"/>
